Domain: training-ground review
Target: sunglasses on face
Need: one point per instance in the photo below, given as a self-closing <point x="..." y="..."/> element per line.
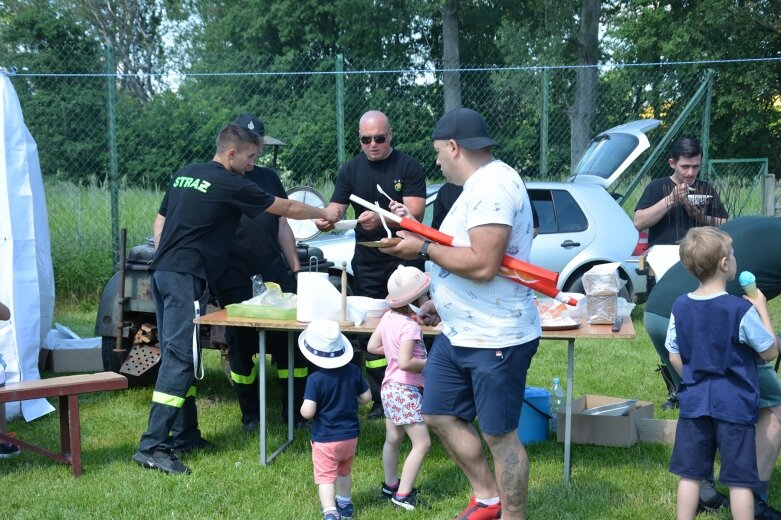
<point x="379" y="139"/>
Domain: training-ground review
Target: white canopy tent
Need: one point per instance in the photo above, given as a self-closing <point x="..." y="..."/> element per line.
<point x="26" y="275"/>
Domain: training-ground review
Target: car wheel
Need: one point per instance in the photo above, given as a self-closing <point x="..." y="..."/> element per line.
<point x="576" y="286"/>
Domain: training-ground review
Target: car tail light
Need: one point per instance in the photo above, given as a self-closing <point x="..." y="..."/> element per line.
<point x="642" y="244"/>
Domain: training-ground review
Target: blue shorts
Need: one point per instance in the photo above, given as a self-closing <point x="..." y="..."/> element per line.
<point x="696" y="441"/>
<point x="477" y="382"/>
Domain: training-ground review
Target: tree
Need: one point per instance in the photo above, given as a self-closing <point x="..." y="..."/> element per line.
<point x="301" y="38"/>
<point x="450" y="55"/>
<point x="662" y="31"/>
<point x="66" y="115"/>
<point x="135" y="29"/>
<point x="582" y="111"/>
<point x="547" y="34"/>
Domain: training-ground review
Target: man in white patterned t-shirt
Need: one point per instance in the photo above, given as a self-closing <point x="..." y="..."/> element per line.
<point x="491" y="328"/>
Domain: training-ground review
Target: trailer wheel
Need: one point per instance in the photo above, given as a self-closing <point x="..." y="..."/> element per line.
<point x="111" y="361"/>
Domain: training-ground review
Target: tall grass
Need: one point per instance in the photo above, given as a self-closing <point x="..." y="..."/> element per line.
<point x="80" y="228"/>
<point x="80" y="225"/>
<point x="81" y="236"/>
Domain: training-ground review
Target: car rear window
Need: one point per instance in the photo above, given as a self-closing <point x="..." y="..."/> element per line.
<point x="605" y="155"/>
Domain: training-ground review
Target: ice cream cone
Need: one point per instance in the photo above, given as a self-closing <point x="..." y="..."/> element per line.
<point x="749" y="283"/>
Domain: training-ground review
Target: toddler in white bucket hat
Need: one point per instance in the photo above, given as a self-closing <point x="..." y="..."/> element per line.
<point x="323" y="344"/>
<point x="399" y="338"/>
<point x="331" y="400"/>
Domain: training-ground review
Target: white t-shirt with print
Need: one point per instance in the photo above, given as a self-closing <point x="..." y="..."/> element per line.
<point x="499" y="313"/>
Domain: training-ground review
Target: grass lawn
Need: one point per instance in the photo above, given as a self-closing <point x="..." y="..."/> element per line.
<point x="606" y="483"/>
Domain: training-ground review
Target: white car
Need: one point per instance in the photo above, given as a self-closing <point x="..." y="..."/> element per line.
<point x="581" y="224"/>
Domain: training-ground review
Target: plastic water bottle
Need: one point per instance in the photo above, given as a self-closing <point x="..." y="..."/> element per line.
<point x="557" y="403"/>
<point x="2" y="373"/>
<point x="258" y="287"/>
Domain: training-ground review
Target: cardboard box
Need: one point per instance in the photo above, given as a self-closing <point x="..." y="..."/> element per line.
<point x="65" y="351"/>
<point x="657" y="431"/>
<point x="604" y="430"/>
<point x="77" y="360"/>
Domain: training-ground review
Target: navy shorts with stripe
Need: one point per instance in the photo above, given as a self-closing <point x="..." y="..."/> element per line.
<point x="487" y="383"/>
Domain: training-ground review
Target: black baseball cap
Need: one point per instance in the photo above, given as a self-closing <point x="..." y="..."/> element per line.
<point x="466" y="127"/>
<point x="252" y="123"/>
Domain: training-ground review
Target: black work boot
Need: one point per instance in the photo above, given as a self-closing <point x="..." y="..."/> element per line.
<point x="672" y="402"/>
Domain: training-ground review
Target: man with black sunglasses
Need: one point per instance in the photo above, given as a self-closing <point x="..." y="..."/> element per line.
<point x="403" y="179"/>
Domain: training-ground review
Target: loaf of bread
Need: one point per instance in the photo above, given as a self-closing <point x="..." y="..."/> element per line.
<point x="602" y="308"/>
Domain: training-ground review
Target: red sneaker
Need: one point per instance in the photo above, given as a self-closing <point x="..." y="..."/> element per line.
<point x="477" y="511"/>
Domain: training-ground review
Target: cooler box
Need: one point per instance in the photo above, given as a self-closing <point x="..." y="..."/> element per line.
<point x="534" y="421"/>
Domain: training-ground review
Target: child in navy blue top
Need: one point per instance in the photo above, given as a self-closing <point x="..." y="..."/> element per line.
<point x="716" y="341"/>
<point x="331" y="400"/>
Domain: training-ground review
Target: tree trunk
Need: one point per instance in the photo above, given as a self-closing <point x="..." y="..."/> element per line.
<point x="450" y="55"/>
<point x="582" y="112"/>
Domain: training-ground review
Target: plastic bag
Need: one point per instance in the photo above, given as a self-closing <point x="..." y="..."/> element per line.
<point x="623" y="308"/>
<point x="555" y="313"/>
<point x="602" y="284"/>
<point x="274" y="297"/>
<point x="602" y="280"/>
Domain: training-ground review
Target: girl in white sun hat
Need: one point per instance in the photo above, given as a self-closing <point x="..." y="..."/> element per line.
<point x="399" y="338"/>
<point x="331" y="400"/>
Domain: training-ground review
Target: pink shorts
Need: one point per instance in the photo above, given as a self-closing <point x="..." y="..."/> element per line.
<point x="332" y="459"/>
<point x="401" y="403"/>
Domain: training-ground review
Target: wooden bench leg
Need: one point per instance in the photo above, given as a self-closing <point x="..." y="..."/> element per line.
<point x="70" y="432"/>
<point x="75" y="435"/>
<point x="65" y="446"/>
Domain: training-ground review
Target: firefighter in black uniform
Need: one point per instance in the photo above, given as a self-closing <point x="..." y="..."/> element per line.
<point x="193" y="231"/>
<point x="263" y="245"/>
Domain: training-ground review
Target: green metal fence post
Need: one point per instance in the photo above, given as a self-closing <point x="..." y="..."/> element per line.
<point x="544" y="124"/>
<point x="111" y="111"/>
<point x="340" y="109"/>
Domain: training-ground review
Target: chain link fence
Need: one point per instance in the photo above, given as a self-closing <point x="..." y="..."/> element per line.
<point x="739" y="184"/>
<point x="313" y="107"/>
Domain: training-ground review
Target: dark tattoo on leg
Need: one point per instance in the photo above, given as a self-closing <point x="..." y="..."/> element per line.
<point x="514" y="479"/>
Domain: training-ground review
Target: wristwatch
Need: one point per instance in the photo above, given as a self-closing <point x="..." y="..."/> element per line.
<point x="424" y="249"/>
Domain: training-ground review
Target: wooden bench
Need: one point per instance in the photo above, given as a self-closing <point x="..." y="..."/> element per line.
<point x="68" y="389"/>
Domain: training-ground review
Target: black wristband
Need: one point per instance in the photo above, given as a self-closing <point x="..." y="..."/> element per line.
<point x="424" y="249"/>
